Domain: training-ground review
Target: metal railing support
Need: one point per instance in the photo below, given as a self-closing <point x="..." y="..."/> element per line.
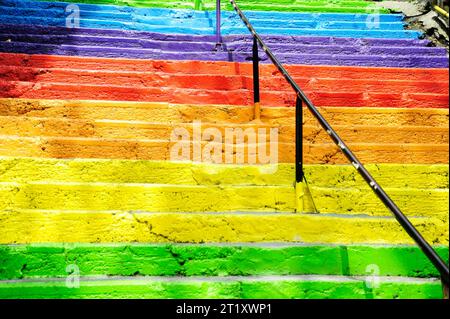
<point x="426" y="248"/>
<point x="299" y="174"/>
<point x="218" y="24"/>
<point x="256" y="93"/>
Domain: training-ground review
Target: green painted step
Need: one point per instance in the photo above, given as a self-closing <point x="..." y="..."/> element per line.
<point x="52" y="260"/>
<point x="344" y="6"/>
<point x="300" y="287"/>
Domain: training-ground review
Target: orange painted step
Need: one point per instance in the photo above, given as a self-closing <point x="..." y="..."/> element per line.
<point x="231" y="114"/>
<point x="57" y="127"/>
<point x="62" y="147"/>
<point x="136" y="130"/>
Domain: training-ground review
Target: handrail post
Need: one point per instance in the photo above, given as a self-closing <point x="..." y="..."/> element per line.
<point x="299" y="140"/>
<point x="445" y="292"/>
<point x="256" y="92"/>
<point x="299" y="189"/>
<point x="218" y="24"/>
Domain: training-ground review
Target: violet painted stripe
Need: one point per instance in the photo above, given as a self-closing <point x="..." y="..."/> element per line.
<point x="292" y="50"/>
<point x="35" y="29"/>
<point x="307" y="59"/>
<point x="237" y="45"/>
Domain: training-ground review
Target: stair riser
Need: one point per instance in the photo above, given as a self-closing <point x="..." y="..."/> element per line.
<point x="222" y="68"/>
<point x="240" y="115"/>
<point x="69" y="91"/>
<point x="34" y="261"/>
<point x="283" y="289"/>
<point x="373" y="60"/>
<point x="32" y="127"/>
<point x="181" y="198"/>
<point x="243" y="49"/>
<point x="273" y="40"/>
<point x="51" y="227"/>
<point x="49" y="147"/>
<point x="213" y="82"/>
<point x="318" y="6"/>
<point x="196" y="21"/>
<point x="23" y="170"/>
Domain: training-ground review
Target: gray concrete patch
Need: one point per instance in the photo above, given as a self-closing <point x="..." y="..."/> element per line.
<point x="420" y="16"/>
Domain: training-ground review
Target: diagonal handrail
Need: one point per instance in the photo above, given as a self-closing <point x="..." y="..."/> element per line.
<point x="431" y="254"/>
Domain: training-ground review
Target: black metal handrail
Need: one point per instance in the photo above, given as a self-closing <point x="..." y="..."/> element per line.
<point x="431" y="254"/>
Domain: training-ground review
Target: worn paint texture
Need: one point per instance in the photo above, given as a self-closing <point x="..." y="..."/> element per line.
<point x="87" y="180"/>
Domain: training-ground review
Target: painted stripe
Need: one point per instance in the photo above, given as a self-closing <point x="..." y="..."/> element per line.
<point x="404" y="61"/>
<point x="21" y="83"/>
<point x="32" y="261"/>
<point x="189" y="19"/>
<point x="50" y="127"/>
<point x="94" y="196"/>
<point x="240" y="288"/>
<point x="87" y="23"/>
<point x="273" y="40"/>
<point x="241" y="115"/>
<point x="314" y="85"/>
<point x="121" y="227"/>
<point x="318" y="6"/>
<point x="222" y="68"/>
<point x="66" y="147"/>
<point x="21" y="170"/>
<point x="293" y="50"/>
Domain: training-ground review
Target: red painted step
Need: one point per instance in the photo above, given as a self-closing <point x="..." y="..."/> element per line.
<point x="88" y="78"/>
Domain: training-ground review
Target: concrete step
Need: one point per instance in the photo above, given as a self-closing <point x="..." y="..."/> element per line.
<point x="374" y="59"/>
<point x="51" y="260"/>
<point x="118" y="5"/>
<point x="51" y="226"/>
<point x="69" y="147"/>
<point x="244" y="287"/>
<point x="222" y="68"/>
<point x="139" y="130"/>
<point x="119" y="111"/>
<point x="234" y="27"/>
<point x="22" y="82"/>
<point x="186" y="22"/>
<point x="213" y="82"/>
<point x="22" y="170"/>
<point x="100" y="196"/>
<point x="204" y="21"/>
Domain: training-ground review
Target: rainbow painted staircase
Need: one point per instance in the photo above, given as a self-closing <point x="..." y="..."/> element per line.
<point x="92" y="204"/>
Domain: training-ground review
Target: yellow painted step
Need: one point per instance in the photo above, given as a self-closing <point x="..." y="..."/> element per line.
<point x="190" y="198"/>
<point x="107" y="227"/>
<point x="22" y="170"/>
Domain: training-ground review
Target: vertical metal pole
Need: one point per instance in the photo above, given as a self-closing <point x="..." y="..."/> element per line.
<point x="299" y="187"/>
<point x="218" y="22"/>
<point x="299" y="140"/>
<point x="256" y="93"/>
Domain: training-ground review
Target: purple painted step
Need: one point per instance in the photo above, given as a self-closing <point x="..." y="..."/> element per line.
<point x="27" y="29"/>
<point x="307" y="59"/>
<point x="291" y="50"/>
<point x="234" y="45"/>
